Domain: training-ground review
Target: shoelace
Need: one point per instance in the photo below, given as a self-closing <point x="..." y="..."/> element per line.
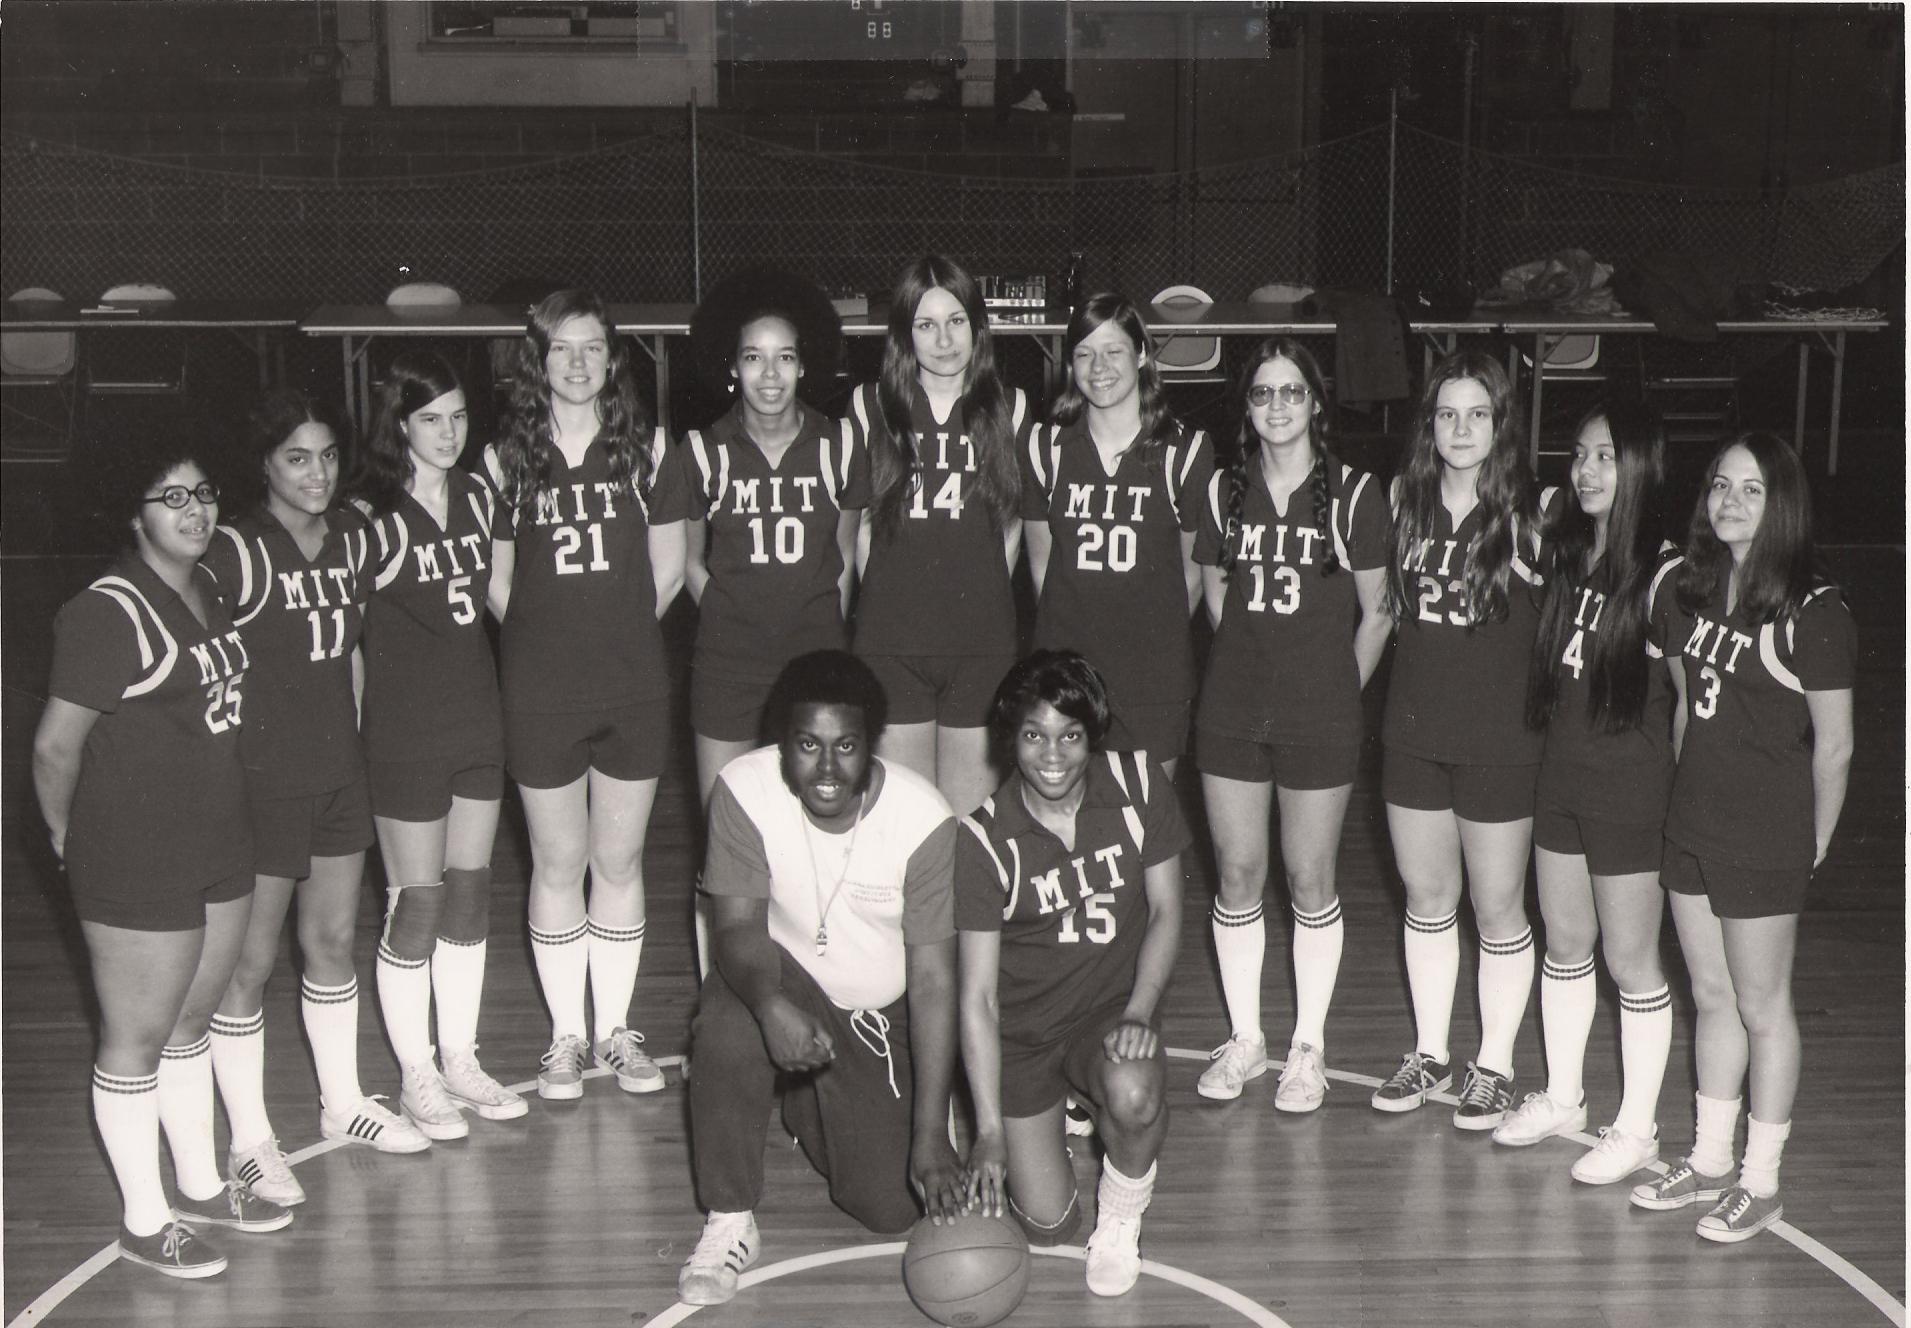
<point x="474" y="1075"/>
<point x="1118" y="1234"/>
<point x="432" y="1094"/>
<point x="1739" y="1205"/>
<point x="713" y="1247"/>
<point x="270" y="1159"/>
<point x="871" y="1028"/>
<point x="1481" y="1091"/>
<point x="625" y="1046"/>
<point x="1298" y="1065"/>
<point x="567" y="1053"/>
<point x="178" y="1236"/>
<point x="1413" y="1070"/>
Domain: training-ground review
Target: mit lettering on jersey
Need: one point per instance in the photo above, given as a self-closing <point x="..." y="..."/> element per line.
<point x="222" y="664"/>
<point x="318" y="588"/>
<point x="1586" y="615"/>
<point x="440" y="558"/>
<point x="1708" y="641"/>
<point x="1089" y="915"/>
<point x="1082" y="503"/>
<point x="795" y="494"/>
<point x="563" y="505"/>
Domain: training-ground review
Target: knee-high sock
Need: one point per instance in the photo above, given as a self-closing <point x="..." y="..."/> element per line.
<point x="1645" y="1041"/>
<point x="457" y="981"/>
<point x="1433" y="969"/>
<point x="1568" y="997"/>
<point x="1318" y="938"/>
<point x="127" y="1113"/>
<point x="1764" y="1146"/>
<point x="614" y="954"/>
<point x="1506" y="984"/>
<point x="330" y="1015"/>
<point x="1240" y="945"/>
<point x="563" y="964"/>
<point x="185" y="1113"/>
<point x="404" y="997"/>
<point x="238" y="1067"/>
<point x="1714" y="1134"/>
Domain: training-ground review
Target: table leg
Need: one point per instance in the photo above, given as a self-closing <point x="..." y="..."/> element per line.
<point x="1798" y="412"/>
<point x="660" y="356"/>
<point x="352" y="411"/>
<point x="1837" y="398"/>
<point x="1539" y="378"/>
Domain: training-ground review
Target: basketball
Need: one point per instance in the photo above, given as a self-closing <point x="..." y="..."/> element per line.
<point x="967" y="1273"/>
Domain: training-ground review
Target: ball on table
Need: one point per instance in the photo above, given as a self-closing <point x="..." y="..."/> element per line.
<point x="968" y="1273"/>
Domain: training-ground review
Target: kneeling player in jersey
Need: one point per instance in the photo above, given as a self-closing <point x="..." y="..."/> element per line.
<point x="1068" y="905"/>
<point x="829" y="881"/>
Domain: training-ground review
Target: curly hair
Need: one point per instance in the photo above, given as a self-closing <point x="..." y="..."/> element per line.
<point x="764" y="290"/>
<point x="127" y="466"/>
<point x="526" y="449"/>
<point x="1247" y="448"/>
<point x="825" y="677"/>
<point x="415" y="379"/>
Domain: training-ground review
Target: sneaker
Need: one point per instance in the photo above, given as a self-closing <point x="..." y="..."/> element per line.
<point x="1303" y="1084"/>
<point x="1235" y="1062"/>
<point x="1483" y="1099"/>
<point x="175" y="1250"/>
<point x="469" y="1086"/>
<point x="1077" y="1121"/>
<point x="1114" y="1256"/>
<point x="622" y="1053"/>
<point x="562" y="1074"/>
<point x="1680" y="1187"/>
<point x="263" y="1170"/>
<point x="728" y="1246"/>
<point x="1740" y="1215"/>
<point x="1538" y="1118"/>
<point x="235" y="1206"/>
<point x="375" y="1125"/>
<point x="428" y="1105"/>
<point x="1417" y="1076"/>
<point x="1616" y="1156"/>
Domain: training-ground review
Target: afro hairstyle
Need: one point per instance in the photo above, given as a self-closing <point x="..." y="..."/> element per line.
<point x="760" y="291"/>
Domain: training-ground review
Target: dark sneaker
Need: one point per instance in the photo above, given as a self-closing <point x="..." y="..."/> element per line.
<point x="1484" y="1099"/>
<point x="175" y="1250"/>
<point x="1680" y="1187"/>
<point x="1740" y="1215"/>
<point x="236" y="1207"/>
<point x="1417" y="1076"/>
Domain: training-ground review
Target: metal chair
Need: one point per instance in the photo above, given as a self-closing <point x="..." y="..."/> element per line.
<point x="38" y="362"/>
<point x="1186" y="359"/>
<point x="136" y="364"/>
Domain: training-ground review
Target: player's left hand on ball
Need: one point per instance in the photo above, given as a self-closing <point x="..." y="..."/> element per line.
<point x="989" y="1174"/>
<point x="940" y="1179"/>
<point x="1130" y="1040"/>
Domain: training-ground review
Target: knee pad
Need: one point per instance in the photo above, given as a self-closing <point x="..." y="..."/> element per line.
<point x="1058" y="1232"/>
<point x="393" y="895"/>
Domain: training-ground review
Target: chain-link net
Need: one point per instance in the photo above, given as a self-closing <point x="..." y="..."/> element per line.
<point x="660" y="217"/>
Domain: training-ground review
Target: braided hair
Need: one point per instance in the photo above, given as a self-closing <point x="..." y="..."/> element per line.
<point x="1247" y="447"/>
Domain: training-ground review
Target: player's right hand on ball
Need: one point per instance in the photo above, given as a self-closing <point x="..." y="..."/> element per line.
<point x="988" y="1173"/>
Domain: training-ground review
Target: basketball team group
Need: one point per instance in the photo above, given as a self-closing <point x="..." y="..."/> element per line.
<point x="928" y="852"/>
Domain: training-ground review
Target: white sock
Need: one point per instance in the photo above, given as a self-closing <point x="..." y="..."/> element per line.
<point x="185" y="1113"/>
<point x="457" y="982"/>
<point x="330" y="1015"/>
<point x="1645" y="1041"/>
<point x="700" y="916"/>
<point x="614" y="953"/>
<point x="1122" y="1197"/>
<point x="1568" y="997"/>
<point x="404" y="997"/>
<point x="1240" y="946"/>
<point x="238" y="1066"/>
<point x="563" y="964"/>
<point x="1318" y="938"/>
<point x="1433" y="969"/>
<point x="1713" y="1135"/>
<point x="1764" y="1146"/>
<point x="127" y="1113"/>
<point x="1505" y="984"/>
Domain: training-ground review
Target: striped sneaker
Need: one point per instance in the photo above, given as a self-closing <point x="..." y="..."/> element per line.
<point x="1680" y="1187"/>
<point x="263" y="1170"/>
<point x="560" y="1076"/>
<point x="175" y="1250"/>
<point x="373" y="1124"/>
<point x="622" y="1053"/>
<point x="728" y="1245"/>
<point x="1740" y="1215"/>
<point x="236" y="1207"/>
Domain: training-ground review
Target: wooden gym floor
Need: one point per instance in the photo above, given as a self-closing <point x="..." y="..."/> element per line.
<point x="581" y="1213"/>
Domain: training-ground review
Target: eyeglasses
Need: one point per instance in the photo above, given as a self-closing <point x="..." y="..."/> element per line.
<point x="178" y="495"/>
<point x="1291" y="394"/>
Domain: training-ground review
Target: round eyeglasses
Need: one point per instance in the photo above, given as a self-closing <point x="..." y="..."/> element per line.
<point x="178" y="495"/>
<point x="1291" y="394"/>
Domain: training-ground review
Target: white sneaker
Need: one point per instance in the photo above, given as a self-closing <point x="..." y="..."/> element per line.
<point x="728" y="1246"/>
<point x="1235" y="1062"/>
<point x="373" y="1124"/>
<point x="1539" y="1117"/>
<point x="428" y="1105"/>
<point x="470" y="1086"/>
<point x="1303" y="1085"/>
<point x="1616" y="1156"/>
<point x="263" y="1170"/>
<point x="1114" y="1256"/>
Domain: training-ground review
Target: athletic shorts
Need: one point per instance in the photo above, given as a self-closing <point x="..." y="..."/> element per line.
<point x="287" y="833"/>
<point x="550" y="751"/>
<point x="1159" y="730"/>
<point x="1610" y="848"/>
<point x="953" y="690"/>
<point x="727" y="709"/>
<point x="1735" y="892"/>
<point x="1488" y="794"/>
<point x="161" y="909"/>
<point x="1036" y="1078"/>
<point x="423" y="790"/>
<point x="1285" y="764"/>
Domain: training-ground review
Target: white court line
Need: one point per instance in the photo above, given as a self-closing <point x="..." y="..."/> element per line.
<point x="1882" y="1300"/>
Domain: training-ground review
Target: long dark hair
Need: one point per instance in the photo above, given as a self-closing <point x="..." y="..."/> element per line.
<point x="415" y="379"/>
<point x="1247" y="449"/>
<point x="1780" y="569"/>
<point x="893" y="461"/>
<point x="1158" y="424"/>
<point x="276" y="416"/>
<point x="1505" y="491"/>
<point x="1635" y="527"/>
<point x="525" y="450"/>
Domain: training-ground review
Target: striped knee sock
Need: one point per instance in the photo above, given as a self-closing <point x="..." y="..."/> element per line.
<point x="563" y="965"/>
<point x="614" y="954"/>
<point x="1645" y="1041"/>
<point x="1505" y="985"/>
<point x="126" y="1109"/>
<point x="185" y="1113"/>
<point x="1240" y="946"/>
<point x="1433" y="969"/>
<point x="330" y="1015"/>
<point x="238" y="1067"/>
<point x="1568" y="997"/>
<point x="1318" y="939"/>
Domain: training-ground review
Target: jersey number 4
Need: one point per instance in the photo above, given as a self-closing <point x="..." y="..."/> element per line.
<point x="948" y="498"/>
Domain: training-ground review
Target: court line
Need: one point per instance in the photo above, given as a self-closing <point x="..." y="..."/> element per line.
<point x="1836" y="1264"/>
<point x="1252" y="1311"/>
